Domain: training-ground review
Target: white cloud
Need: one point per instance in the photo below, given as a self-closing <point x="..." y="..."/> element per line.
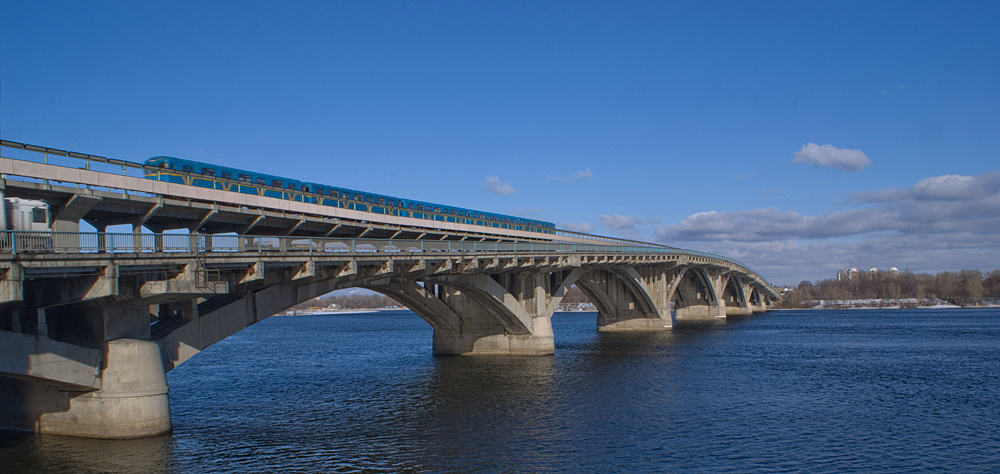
<point x="494" y="185"/>
<point x="832" y="157"/>
<point x="941" y="223"/>
<point x="620" y="222"/>
<point x="948" y="187"/>
<point x="577" y="176"/>
<point x="936" y="188"/>
<point x="582" y="227"/>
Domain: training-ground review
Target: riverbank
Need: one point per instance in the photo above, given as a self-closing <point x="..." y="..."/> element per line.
<point x="311" y="312"/>
<point x="904" y="303"/>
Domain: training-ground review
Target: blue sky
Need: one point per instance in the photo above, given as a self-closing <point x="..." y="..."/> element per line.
<point x="798" y="137"/>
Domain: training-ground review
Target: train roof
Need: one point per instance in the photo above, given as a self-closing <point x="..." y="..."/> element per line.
<point x="158" y="160"/>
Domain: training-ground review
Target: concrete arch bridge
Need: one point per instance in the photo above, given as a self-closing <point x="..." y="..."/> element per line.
<point x="91" y="323"/>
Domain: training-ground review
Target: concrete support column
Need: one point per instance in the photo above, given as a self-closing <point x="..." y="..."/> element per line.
<point x="471" y="343"/>
<point x="627" y="300"/>
<point x="137" y="236"/>
<point x="700" y="313"/>
<point x="102" y="244"/>
<point x="735" y="296"/>
<point x="43" y="327"/>
<point x="132" y="402"/>
<point x="696" y="297"/>
<point x="502" y="315"/>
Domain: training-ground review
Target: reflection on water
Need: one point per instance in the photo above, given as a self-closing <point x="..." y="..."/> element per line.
<point x="59" y="454"/>
<point x="828" y="391"/>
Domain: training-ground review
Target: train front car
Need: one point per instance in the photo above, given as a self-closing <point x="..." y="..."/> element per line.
<point x="159" y="169"/>
<point x="176" y="170"/>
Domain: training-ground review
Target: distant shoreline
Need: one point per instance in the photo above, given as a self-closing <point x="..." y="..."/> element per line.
<point x="384" y="310"/>
<point x="337" y="311"/>
<point x="887" y="307"/>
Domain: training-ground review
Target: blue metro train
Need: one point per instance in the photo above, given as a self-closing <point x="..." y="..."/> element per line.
<point x="193" y="173"/>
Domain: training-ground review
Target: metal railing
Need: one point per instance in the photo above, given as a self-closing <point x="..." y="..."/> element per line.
<point x="26" y="243"/>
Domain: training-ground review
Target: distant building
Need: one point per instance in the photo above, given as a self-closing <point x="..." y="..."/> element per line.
<point x="852" y="273"/>
<point x="847" y="274"/>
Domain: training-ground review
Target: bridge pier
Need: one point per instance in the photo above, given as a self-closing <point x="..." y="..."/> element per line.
<point x="696" y="296"/>
<point x="700" y="313"/>
<point x="628" y="300"/>
<point x="503" y="314"/>
<point x="132" y="402"/>
<point x="471" y="342"/>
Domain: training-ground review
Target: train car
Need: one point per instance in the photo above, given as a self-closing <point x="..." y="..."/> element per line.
<point x="33" y="218"/>
<point x="194" y="173"/>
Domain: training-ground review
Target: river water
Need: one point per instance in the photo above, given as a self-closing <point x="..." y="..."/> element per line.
<point x="786" y="391"/>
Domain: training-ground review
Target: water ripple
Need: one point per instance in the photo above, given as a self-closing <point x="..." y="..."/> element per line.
<point x="807" y="391"/>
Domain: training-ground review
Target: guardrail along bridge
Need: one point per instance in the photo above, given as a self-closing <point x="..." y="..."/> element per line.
<point x="90" y="322"/>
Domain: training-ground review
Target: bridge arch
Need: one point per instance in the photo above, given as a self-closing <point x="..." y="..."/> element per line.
<point x="693" y="295"/>
<point x="734" y="296"/>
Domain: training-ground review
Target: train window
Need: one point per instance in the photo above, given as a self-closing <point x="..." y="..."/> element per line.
<point x="187" y="168"/>
<point x="208" y="171"/>
<point x="381" y="201"/>
<point x="358" y="197"/>
<point x="227" y="175"/>
<point x="245" y="178"/>
<point x="291" y="186"/>
<point x="38" y="216"/>
<point x="261" y="181"/>
<point x="454" y="213"/>
<point x="371" y="199"/>
<point x="334" y="193"/>
<point x="437" y="209"/>
<point x="420" y="207"/>
<point x="276" y="183"/>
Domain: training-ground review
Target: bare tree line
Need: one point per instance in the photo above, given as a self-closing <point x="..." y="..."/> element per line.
<point x="377" y="301"/>
<point x="963" y="288"/>
<point x="355" y="301"/>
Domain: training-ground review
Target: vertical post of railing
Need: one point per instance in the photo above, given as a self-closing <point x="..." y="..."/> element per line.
<point x="353" y="246"/>
<point x="13" y="242"/>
